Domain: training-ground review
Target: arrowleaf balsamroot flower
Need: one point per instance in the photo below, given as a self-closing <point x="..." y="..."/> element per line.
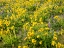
<point x="33" y="41"/>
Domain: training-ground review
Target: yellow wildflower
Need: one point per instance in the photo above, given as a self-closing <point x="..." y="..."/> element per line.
<point x="55" y="17"/>
<point x="30" y="34"/>
<point x="47" y="28"/>
<point x="38" y="36"/>
<point x="58" y="45"/>
<point x="22" y="19"/>
<point x="33" y="41"/>
<point x="53" y="43"/>
<point x="40" y="42"/>
<point x="25" y="46"/>
<point x="19" y="46"/>
<point x="1" y="32"/>
<point x="0" y="22"/>
<point x="12" y="27"/>
<point x="34" y="23"/>
<point x="40" y="19"/>
<point x="49" y="0"/>
<point x="7" y="23"/>
<point x="55" y="35"/>
<point x="41" y="22"/>
<point x="60" y="11"/>
<point x="41" y="30"/>
<point x="55" y="38"/>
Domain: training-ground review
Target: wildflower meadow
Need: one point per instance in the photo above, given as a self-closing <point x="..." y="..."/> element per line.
<point x="31" y="23"/>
